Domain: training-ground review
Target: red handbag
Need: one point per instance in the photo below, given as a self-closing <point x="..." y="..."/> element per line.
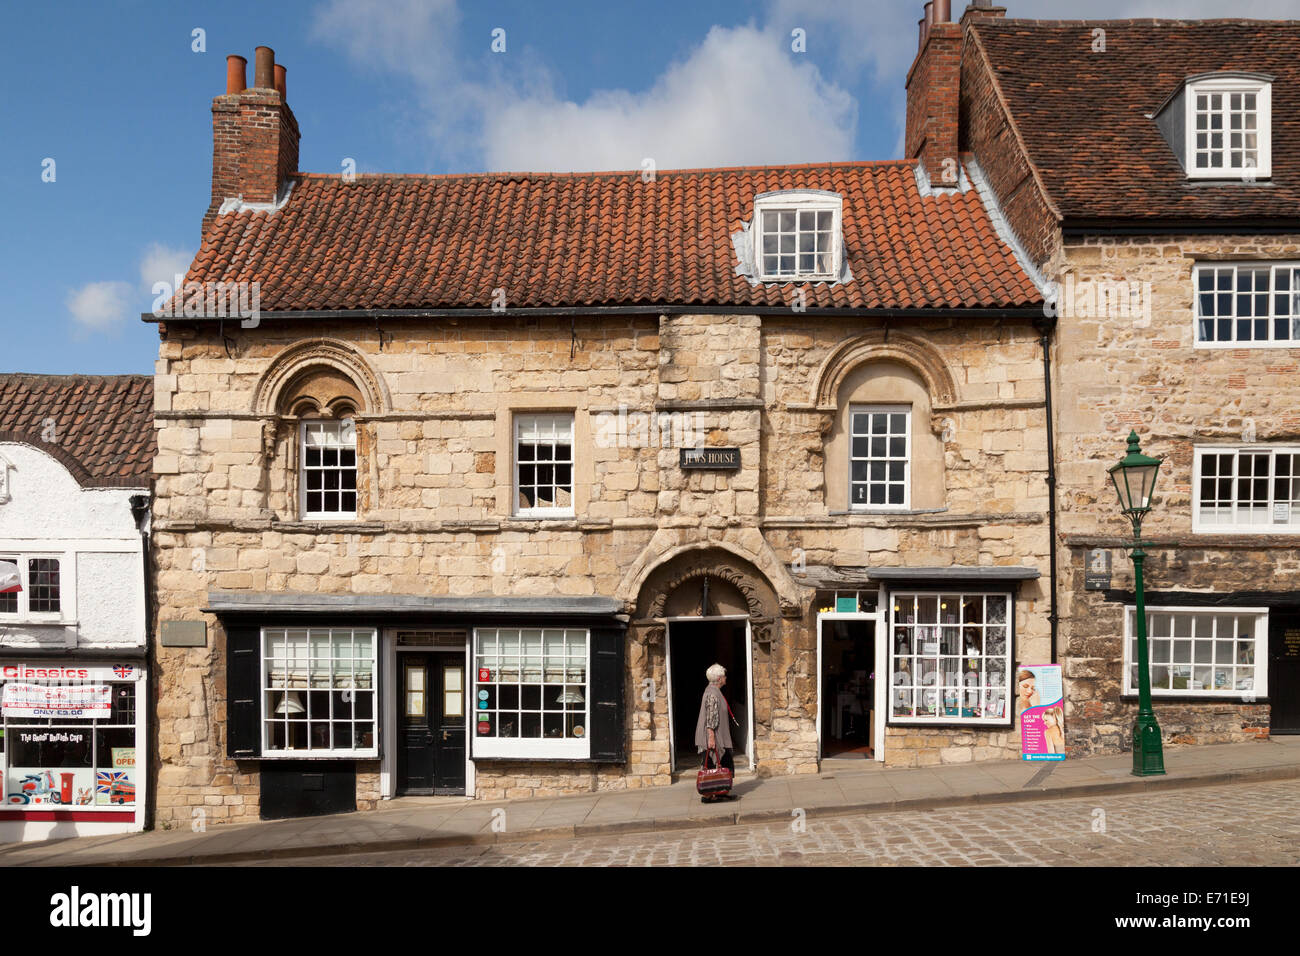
<point x="717" y="779"/>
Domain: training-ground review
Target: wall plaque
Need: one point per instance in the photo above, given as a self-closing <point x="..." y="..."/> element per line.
<point x="1096" y="575"/>
<point x="184" y="633"/>
<point x="710" y="457"/>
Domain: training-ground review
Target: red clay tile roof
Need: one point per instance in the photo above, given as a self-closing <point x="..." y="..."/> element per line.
<point x="427" y="242"/>
<point x="99" y="426"/>
<point x="1083" y="115"/>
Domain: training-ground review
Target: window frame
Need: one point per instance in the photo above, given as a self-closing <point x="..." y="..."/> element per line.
<point x="1270" y="320"/>
<point x="67" y="589"/>
<point x="553" y="511"/>
<point x="797" y="201"/>
<point x="1200" y="526"/>
<point x="871" y="409"/>
<point x="265" y="690"/>
<point x="1226" y="85"/>
<point x="1008" y="658"/>
<point x="492" y="747"/>
<point x="1258" y="691"/>
<point x="345" y="425"/>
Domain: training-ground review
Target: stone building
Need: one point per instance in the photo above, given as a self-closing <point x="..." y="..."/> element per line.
<point x="543" y="447"/>
<point x="75" y="464"/>
<point x="1151" y="172"/>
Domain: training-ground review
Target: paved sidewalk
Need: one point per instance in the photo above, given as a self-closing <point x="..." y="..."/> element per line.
<point x="843" y="787"/>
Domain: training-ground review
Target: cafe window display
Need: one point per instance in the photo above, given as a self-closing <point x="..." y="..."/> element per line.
<point x="70" y="736"/>
<point x="950" y="658"/>
<point x="531" y="693"/>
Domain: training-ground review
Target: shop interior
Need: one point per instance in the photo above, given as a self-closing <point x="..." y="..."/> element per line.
<point x="848" y="688"/>
<point x="693" y="647"/>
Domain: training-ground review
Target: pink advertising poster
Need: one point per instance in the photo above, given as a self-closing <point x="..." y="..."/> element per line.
<point x="1041" y="708"/>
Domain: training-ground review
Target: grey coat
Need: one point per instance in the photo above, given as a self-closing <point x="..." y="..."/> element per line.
<point x="713" y="716"/>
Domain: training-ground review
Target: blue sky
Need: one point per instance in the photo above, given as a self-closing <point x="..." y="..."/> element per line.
<point x="118" y="98"/>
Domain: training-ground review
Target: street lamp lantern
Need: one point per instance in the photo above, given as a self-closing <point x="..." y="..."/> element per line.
<point x="1134" y="479"/>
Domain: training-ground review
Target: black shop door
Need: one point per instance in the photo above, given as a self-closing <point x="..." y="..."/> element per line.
<point x="431" y="709"/>
<point x="1284" y="670"/>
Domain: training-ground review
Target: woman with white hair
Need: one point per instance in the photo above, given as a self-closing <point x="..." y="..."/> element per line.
<point x="712" y="735"/>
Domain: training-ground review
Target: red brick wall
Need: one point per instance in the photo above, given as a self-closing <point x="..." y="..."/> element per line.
<point x="986" y="131"/>
<point x="254" y="147"/>
<point x="932" y="103"/>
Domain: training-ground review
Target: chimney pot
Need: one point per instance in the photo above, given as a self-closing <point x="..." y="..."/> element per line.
<point x="929" y="15"/>
<point x="236" y="73"/>
<point x="264" y="68"/>
<point x="942" y="11"/>
<point x="279" y="81"/>
<point x="920" y="35"/>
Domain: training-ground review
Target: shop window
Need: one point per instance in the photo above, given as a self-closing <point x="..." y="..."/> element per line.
<point x="1254" y="490"/>
<point x="42" y="584"/>
<point x="329" y="469"/>
<point x="879" y="456"/>
<point x="70" y="740"/>
<point x="1244" y="305"/>
<point x="544" y="465"/>
<point x="531" y="693"/>
<point x="1219" y="652"/>
<point x="950" y="658"/>
<point x="318" y="692"/>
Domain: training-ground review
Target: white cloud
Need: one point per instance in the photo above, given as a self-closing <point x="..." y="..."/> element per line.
<point x="101" y="306"/>
<point x="162" y="264"/>
<point x="107" y="306"/>
<point x="739" y="97"/>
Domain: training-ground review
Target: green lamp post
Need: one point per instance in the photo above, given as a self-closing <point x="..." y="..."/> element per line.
<point x="1135" y="481"/>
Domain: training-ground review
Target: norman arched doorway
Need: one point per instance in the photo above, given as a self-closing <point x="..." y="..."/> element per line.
<point x="713" y="609"/>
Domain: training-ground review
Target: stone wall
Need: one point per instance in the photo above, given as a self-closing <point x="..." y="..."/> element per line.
<point x="435" y="458"/>
<point x="1141" y="371"/>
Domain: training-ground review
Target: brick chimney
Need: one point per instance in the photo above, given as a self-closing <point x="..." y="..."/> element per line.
<point x="933" y="95"/>
<point x="254" y="134"/>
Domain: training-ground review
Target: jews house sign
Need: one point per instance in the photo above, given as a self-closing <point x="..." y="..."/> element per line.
<point x="700" y="458"/>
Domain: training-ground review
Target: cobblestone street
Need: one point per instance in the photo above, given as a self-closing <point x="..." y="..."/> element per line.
<point x="1239" y="825"/>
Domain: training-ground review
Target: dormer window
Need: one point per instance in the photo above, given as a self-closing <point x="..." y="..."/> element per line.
<point x="1228" y="131"/>
<point x="798" y="236"/>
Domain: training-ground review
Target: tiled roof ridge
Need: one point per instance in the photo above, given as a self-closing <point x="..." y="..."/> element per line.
<point x="104" y="423"/>
<point x="616" y="173"/>
<point x="77" y="376"/>
<point x="983" y="23"/>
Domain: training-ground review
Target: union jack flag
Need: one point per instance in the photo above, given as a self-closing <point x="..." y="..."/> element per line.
<point x="123" y="670"/>
<point x="104" y="780"/>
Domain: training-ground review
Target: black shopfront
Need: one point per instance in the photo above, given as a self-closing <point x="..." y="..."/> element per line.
<point x="337" y="701"/>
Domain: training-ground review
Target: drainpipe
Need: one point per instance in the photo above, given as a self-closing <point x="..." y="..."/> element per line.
<point x="141" y="511"/>
<point x="1045" y="327"/>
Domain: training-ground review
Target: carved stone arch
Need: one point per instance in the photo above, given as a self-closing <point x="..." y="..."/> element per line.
<point x="919" y="356"/>
<point x="331" y="359"/>
<point x="653" y="602"/>
<point x="670" y="549"/>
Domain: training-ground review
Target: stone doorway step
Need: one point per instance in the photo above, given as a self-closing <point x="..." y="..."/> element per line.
<point x="686" y="771"/>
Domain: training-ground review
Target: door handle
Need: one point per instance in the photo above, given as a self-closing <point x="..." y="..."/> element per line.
<point x="445" y="735"/>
